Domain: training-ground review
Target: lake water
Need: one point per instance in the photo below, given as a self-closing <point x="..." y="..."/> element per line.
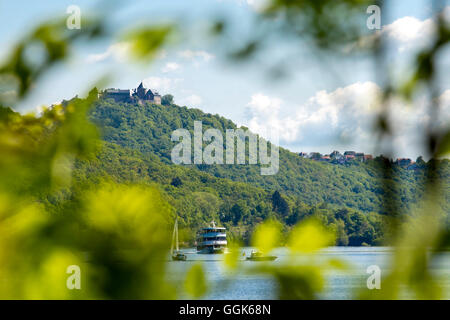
<point x="224" y="284"/>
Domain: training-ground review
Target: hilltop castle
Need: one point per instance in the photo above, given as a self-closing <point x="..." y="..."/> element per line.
<point x="139" y="95"/>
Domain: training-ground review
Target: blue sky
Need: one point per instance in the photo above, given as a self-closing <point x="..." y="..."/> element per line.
<point x="312" y="109"/>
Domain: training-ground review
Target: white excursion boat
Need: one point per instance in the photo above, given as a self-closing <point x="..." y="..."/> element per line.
<point x="212" y="240"/>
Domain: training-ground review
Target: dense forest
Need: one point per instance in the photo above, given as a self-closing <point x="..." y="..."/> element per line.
<point x="137" y="148"/>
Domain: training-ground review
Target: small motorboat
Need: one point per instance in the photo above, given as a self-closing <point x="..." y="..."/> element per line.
<point x="259" y="256"/>
<point x="177" y="255"/>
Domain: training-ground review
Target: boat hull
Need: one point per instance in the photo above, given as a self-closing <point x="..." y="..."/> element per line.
<point x="179" y="257"/>
<point x="265" y="258"/>
<point x="211" y="250"/>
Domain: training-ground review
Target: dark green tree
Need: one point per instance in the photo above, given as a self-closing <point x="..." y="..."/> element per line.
<point x="167" y="99"/>
<point x="420" y="162"/>
<point x="176" y="182"/>
<point x="279" y="204"/>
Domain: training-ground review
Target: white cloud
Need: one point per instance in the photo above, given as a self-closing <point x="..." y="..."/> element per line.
<point x="407" y="33"/>
<point x="325" y="110"/>
<point x="192" y="100"/>
<point x="164" y="85"/>
<point x="258" y="5"/>
<point x="444" y="109"/>
<point x="410" y="32"/>
<point x="119" y="51"/>
<point x="342" y="119"/>
<point x="161" y="54"/>
<point x="264" y="104"/>
<point x="265" y="119"/>
<point x="170" y="67"/>
<point x="196" y="55"/>
<point x="97" y="57"/>
<point x="409" y="29"/>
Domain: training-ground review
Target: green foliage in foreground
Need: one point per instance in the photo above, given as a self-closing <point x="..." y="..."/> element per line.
<point x="52" y="217"/>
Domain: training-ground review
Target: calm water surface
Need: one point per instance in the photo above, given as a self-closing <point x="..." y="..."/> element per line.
<point x="339" y="285"/>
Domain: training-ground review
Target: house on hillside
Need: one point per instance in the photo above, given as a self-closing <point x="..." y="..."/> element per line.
<point x="359" y="156"/>
<point x="349" y="157"/>
<point x="404" y="162"/>
<point x="336" y="155"/>
<point x="303" y="154"/>
<point x="315" y="155"/>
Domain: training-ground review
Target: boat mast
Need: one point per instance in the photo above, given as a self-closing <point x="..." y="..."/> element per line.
<point x="176" y="228"/>
<point x="175" y="233"/>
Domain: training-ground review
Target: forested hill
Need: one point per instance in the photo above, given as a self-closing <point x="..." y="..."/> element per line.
<point x="148" y="128"/>
<point x="138" y="146"/>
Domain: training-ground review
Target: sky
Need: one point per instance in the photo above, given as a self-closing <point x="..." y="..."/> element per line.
<point x="326" y="103"/>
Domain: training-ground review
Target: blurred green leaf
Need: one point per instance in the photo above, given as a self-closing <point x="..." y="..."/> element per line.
<point x="146" y="42"/>
<point x="338" y="264"/>
<point x="266" y="236"/>
<point x="443" y="147"/>
<point x="299" y="282"/>
<point x="309" y="236"/>
<point x="195" y="283"/>
<point x="231" y="258"/>
<point x="53" y="41"/>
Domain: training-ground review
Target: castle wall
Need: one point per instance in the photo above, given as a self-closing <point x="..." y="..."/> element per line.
<point x="157" y="99"/>
<point x="117" y="96"/>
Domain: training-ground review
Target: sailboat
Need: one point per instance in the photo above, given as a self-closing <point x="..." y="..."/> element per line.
<point x="177" y="255"/>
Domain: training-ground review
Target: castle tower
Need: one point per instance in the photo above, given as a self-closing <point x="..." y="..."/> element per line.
<point x="140" y="91"/>
<point x="143" y="94"/>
